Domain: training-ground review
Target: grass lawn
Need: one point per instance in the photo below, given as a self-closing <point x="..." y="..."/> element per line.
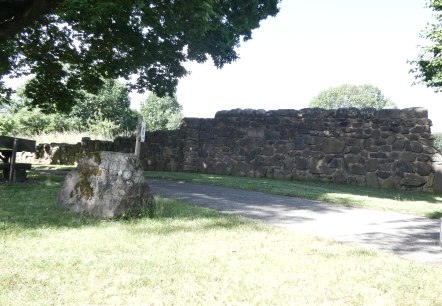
<point x="409" y="202"/>
<point x="186" y="255"/>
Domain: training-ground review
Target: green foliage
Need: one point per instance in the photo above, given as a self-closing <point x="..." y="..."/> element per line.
<point x="34" y="122"/>
<point x="105" y="127"/>
<point x="110" y="105"/>
<point x="438" y="141"/>
<point x="161" y="113"/>
<point x="106" y="114"/>
<point x="428" y="65"/>
<point x="77" y="43"/>
<point x="349" y="95"/>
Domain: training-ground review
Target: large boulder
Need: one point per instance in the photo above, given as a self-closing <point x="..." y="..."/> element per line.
<point x="107" y="185"/>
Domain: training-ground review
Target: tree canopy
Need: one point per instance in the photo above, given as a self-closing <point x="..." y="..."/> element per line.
<point x="107" y="113"/>
<point x="73" y="44"/>
<point x="161" y="113"/>
<point x="349" y="95"/>
<point x="112" y="103"/>
<point x="428" y="66"/>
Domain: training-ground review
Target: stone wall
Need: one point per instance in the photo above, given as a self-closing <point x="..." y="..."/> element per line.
<point x="386" y="148"/>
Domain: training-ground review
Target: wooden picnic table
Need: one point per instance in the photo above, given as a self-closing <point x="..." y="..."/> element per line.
<point x="9" y="146"/>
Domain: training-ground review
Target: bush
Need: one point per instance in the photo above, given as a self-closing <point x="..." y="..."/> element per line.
<point x="438" y="141"/>
<point x="106" y="128"/>
<point x="7" y="125"/>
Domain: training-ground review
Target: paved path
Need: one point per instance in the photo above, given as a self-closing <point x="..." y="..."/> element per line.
<point x="407" y="236"/>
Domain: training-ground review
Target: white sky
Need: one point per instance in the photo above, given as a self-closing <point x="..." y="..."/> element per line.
<point x="313" y="45"/>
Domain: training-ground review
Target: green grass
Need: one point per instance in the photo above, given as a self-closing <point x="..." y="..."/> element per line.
<point x="409" y="202"/>
<point x="186" y="255"/>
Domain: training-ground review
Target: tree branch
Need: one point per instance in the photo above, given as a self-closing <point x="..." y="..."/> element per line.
<point x="18" y="14"/>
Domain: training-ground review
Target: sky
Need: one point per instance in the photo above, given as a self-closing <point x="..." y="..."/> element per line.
<point x="311" y="46"/>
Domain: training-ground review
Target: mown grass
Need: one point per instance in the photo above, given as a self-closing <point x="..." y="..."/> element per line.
<point x="186" y="255"/>
<point x="409" y="202"/>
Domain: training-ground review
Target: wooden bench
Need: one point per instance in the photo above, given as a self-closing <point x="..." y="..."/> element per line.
<point x="9" y="146"/>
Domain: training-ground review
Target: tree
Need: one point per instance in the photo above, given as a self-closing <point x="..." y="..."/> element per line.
<point x="108" y="113"/>
<point x="74" y="44"/>
<point x="111" y="103"/>
<point x="428" y="66"/>
<point x="348" y="95"/>
<point x="161" y="113"/>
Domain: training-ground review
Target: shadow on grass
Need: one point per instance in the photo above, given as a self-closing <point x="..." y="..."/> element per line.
<point x="32" y="205"/>
<point x="321" y="191"/>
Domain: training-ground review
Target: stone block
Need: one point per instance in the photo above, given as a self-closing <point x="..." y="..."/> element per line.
<point x="413" y="180"/>
<point x="358" y="169"/>
<point x="422" y="168"/>
<point x="372" y="179"/>
<point x="371" y="165"/>
<point x="404" y="166"/>
<point x="383" y="174"/>
<point x="398" y="145"/>
<point x="408" y="156"/>
<point x="339" y="177"/>
<point x="301" y="163"/>
<point x="378" y="155"/>
<point x="437" y="182"/>
<point x="318" y="166"/>
<point x="107" y="185"/>
<point x="416" y="147"/>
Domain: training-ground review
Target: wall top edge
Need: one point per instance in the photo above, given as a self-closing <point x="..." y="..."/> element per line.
<point x="366" y="113"/>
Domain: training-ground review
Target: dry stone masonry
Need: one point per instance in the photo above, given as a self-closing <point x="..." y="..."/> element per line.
<point x="389" y="148"/>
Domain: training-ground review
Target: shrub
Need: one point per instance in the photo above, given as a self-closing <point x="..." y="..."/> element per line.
<point x="438" y="141"/>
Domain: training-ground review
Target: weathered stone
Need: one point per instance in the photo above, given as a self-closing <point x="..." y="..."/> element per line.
<point x="351" y="143"/>
<point x="358" y="169"/>
<point x="436" y="158"/>
<point x="390" y="183"/>
<point x="413" y="180"/>
<point x="106" y="185"/>
<point x="301" y="163"/>
<point x="416" y="147"/>
<point x="371" y="165"/>
<point x="383" y="174"/>
<point x="299" y="144"/>
<point x="408" y="156"/>
<point x="437" y="183"/>
<point x="332" y="146"/>
<point x="355" y="150"/>
<point x="356" y="180"/>
<point x="335" y="163"/>
<point x="398" y="145"/>
<point x="429" y="150"/>
<point x="423" y="158"/>
<point x="318" y="166"/>
<point x="339" y="177"/>
<point x="372" y="179"/>
<point x="385" y="148"/>
<point x="378" y="155"/>
<point x="385" y="165"/>
<point x="423" y="169"/>
<point x="268" y="151"/>
<point x="353" y="158"/>
<point x="404" y="166"/>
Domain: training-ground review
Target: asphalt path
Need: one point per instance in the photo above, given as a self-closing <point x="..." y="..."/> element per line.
<point x="407" y="236"/>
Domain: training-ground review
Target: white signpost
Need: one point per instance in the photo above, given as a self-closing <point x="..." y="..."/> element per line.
<point x="143" y="131"/>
